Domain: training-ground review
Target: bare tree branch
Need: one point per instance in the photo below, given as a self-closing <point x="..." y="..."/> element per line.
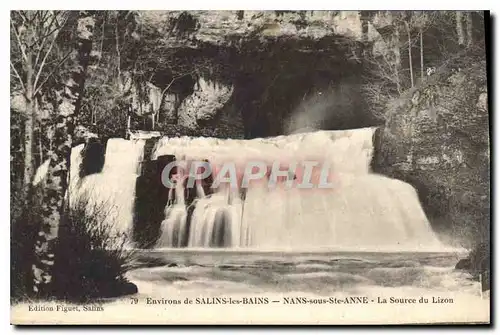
<point x="42" y="39"/>
<point x="21" y="14"/>
<point x="37" y="77"/>
<point x="23" y="52"/>
<point x="37" y="90"/>
<point x="18" y="76"/>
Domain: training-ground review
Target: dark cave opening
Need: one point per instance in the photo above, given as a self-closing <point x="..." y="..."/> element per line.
<point x="275" y="81"/>
<point x="283" y="82"/>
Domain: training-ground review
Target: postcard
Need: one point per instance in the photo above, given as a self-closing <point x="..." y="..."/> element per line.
<point x="250" y="167"/>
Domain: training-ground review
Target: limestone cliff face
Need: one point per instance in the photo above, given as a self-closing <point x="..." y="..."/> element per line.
<point x="437" y="138"/>
<point x="204" y="104"/>
<point x="231" y="28"/>
<point x="263" y="65"/>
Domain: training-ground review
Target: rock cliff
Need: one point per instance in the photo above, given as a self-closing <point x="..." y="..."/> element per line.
<point x="436" y="137"/>
<point x="262" y="65"/>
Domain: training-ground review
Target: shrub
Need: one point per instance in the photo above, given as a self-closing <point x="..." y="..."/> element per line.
<point x="92" y="258"/>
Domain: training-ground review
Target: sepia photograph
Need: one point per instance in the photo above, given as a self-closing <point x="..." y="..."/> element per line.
<point x="245" y="167"/>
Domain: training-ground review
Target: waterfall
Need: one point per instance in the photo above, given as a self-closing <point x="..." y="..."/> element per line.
<point x="216" y="221"/>
<point x="361" y="211"/>
<point x="113" y="189"/>
<point x="174" y="225"/>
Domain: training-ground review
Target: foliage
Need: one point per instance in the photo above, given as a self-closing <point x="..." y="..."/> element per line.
<point x="432" y="40"/>
<point x="132" y="54"/>
<point x="38" y="45"/>
<point x="92" y="256"/>
<point x="25" y="221"/>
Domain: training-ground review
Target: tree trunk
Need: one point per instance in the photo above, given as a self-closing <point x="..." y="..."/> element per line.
<point x="57" y="176"/>
<point x="410" y="62"/>
<point x="28" y="147"/>
<point x="460" y="29"/>
<point x="397" y="60"/>
<point x="29" y="125"/>
<point x="468" y="20"/>
<point x="40" y="143"/>
<point x="421" y="54"/>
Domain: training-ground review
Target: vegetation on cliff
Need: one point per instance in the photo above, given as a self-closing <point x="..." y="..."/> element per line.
<point x="436" y="137"/>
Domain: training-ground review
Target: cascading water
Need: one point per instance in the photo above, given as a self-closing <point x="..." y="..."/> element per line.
<point x="112" y="190"/>
<point x="174" y="226"/>
<point x="212" y="221"/>
<point x="362" y="211"/>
